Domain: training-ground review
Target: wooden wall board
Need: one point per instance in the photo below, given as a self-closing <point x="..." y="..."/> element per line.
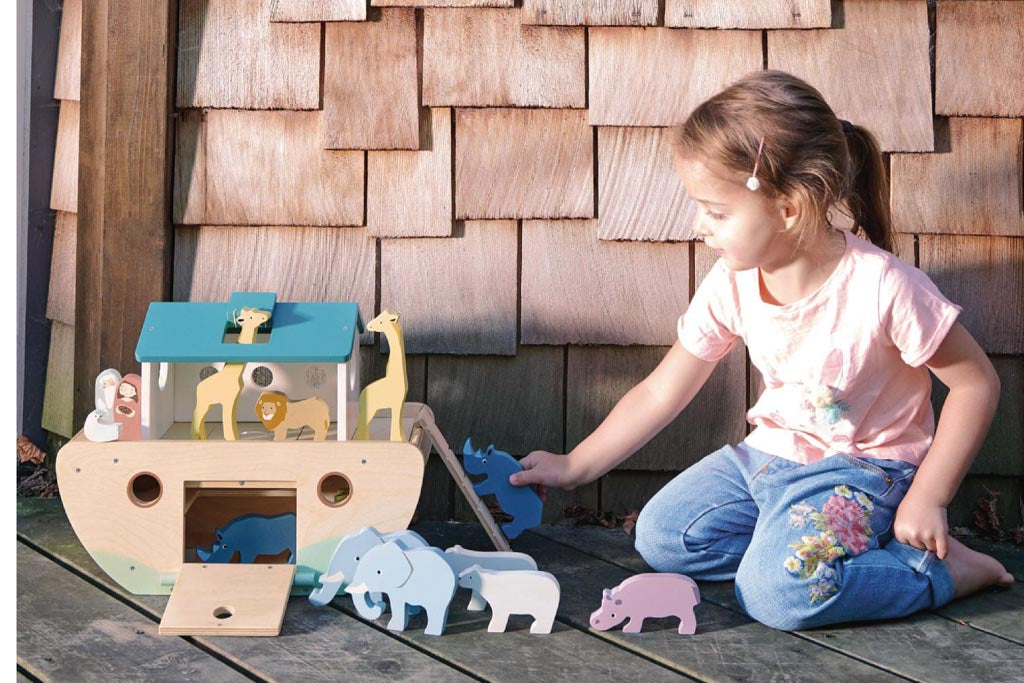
<point x="317" y="10"/>
<point x="640" y="196"/>
<point x="625" y="491"/>
<point x="67" y="84"/>
<point x="299" y="264"/>
<point x="979" y="49"/>
<point x="523" y="163"/>
<point x="657" y="76"/>
<point x="974" y="187"/>
<point x="487" y="58"/>
<point x="371" y="90"/>
<point x="60" y="297"/>
<point x="874" y="71"/>
<point x="745" y="14"/>
<point x="985" y="275"/>
<point x="600" y="376"/>
<point x="263" y="168"/>
<point x="456" y="294"/>
<point x="513" y="402"/>
<point x="64" y="188"/>
<point x="231" y="56"/>
<point x="591" y="12"/>
<point x="607" y="292"/>
<point x="1007" y="491"/>
<point x="58" y="393"/>
<point x="1002" y="452"/>
<point x="409" y="193"/>
<point x="442" y="3"/>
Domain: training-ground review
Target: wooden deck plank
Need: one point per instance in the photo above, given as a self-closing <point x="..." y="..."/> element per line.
<point x="657" y="76"/>
<point x="979" y="49"/>
<point x="602" y="300"/>
<point x="231" y="56"/>
<point x="70" y="630"/>
<point x="416" y="274"/>
<point x="640" y="196"/>
<point x="64" y="186"/>
<point x="591" y="12"/>
<point x="523" y="163"/>
<point x="1000" y="613"/>
<point x="487" y="58"/>
<point x="67" y="83"/>
<point x="371" y="90"/>
<point x="924" y="646"/>
<point x="318" y="10"/>
<point x="727" y="646"/>
<point x="308" y="648"/>
<point x="874" y="71"/>
<point x="746" y="14"/>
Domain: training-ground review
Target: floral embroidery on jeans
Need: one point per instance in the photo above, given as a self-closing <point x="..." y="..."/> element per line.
<point x="844" y="524"/>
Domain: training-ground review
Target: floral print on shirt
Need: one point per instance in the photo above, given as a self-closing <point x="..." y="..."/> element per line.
<point x="844" y="526"/>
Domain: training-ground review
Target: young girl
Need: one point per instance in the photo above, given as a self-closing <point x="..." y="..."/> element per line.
<point x="834" y="507"/>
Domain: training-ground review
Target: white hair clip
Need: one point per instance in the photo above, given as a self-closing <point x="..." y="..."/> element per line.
<point x="753" y="184"/>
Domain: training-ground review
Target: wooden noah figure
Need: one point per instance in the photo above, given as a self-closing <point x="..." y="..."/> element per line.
<point x="389" y="391"/>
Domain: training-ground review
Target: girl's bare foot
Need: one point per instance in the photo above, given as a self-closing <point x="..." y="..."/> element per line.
<point x="972" y="571"/>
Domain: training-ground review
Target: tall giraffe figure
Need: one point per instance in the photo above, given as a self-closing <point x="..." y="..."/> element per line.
<point x="390" y="390"/>
<point x="224" y="387"/>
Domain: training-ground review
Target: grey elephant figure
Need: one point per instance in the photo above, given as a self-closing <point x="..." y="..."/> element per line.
<point x="351" y="549"/>
<point x="419" y="576"/>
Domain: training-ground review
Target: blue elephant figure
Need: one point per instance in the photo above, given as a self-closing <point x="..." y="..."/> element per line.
<point x="252" y="535"/>
<point x="522" y="502"/>
<point x="351" y="549"/>
<point x="417" y="576"/>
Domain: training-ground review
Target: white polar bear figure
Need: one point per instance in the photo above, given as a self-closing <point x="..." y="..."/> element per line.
<point x="515" y="592"/>
<point x="461" y="559"/>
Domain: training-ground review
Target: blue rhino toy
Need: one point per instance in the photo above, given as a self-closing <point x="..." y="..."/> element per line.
<point x="522" y="502"/>
<point x="252" y="535"/>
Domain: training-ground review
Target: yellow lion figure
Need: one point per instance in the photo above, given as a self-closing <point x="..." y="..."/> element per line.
<point x="278" y="415"/>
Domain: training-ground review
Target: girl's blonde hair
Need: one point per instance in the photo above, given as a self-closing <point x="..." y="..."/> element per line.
<point x="809" y="154"/>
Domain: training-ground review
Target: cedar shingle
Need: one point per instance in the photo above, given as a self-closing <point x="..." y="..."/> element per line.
<point x="874" y="71"/>
<point x="747" y="14"/>
<point x="640" y="195"/>
<point x="442" y="3"/>
<point x="409" y="194"/>
<point x="370" y="85"/>
<point x="487" y="58"/>
<point x="60" y="298"/>
<point x="523" y="163"/>
<point x="59" y="392"/>
<point x="979" y="53"/>
<point x="318" y="10"/>
<point x="974" y="188"/>
<point x="67" y="84"/>
<point x="64" y="187"/>
<point x="985" y="275"/>
<point x="591" y="12"/>
<point x="577" y="289"/>
<point x="455" y="294"/>
<point x="262" y="168"/>
<point x="632" y="84"/>
<point x="230" y="55"/>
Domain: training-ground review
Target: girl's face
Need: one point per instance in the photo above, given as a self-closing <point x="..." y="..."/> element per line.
<point x="746" y="229"/>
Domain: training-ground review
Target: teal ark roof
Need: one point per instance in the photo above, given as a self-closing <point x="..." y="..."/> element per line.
<point x="193" y="332"/>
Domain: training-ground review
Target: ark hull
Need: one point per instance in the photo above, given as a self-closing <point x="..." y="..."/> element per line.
<point x="141" y="508"/>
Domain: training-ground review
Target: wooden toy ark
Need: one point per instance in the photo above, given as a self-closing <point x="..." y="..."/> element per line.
<point x="522" y="502"/>
<point x="652" y="595"/>
<point x="515" y="592"/>
<point x="144" y="509"/>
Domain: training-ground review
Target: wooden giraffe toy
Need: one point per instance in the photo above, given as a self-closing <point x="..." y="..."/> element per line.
<point x="390" y="390"/>
<point x="224" y="387"/>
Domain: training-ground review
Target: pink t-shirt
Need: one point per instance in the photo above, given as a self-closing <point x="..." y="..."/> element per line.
<point x="843" y="367"/>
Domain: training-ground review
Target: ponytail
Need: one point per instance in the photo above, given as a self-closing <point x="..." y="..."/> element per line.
<point x="869" y="188"/>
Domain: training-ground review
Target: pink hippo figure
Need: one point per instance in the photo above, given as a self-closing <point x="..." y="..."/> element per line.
<point x="651" y="595"/>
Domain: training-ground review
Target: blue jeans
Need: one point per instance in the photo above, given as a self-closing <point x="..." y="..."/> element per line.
<point x="808" y="545"/>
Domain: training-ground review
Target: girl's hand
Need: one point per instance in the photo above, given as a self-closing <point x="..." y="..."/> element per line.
<point x="544" y="469"/>
<point x="922" y="524"/>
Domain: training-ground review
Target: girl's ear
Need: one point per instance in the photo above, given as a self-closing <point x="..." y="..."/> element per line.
<point x="789" y="211"/>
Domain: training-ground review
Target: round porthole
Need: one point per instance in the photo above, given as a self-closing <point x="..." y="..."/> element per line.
<point x="262" y="376"/>
<point x="145" y="489"/>
<point x="334" y="489"/>
<point x="206" y="372"/>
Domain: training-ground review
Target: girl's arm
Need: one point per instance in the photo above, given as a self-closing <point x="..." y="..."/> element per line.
<point x="961" y="365"/>
<point x="637" y="417"/>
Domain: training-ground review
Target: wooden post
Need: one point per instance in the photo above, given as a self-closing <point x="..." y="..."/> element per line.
<point x="126" y="148"/>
